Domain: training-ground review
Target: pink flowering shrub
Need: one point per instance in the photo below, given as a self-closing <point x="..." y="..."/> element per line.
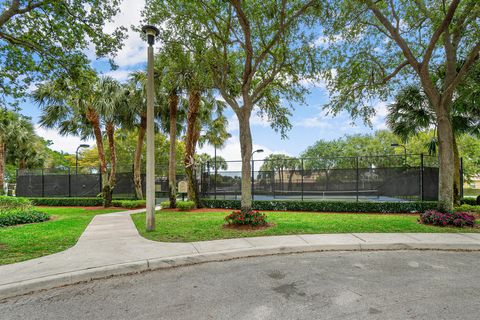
<point x="457" y="219"/>
<point x="253" y="218"/>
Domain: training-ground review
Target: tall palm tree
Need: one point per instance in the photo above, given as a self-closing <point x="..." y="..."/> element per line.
<point x="83" y="107"/>
<point x="171" y="64"/>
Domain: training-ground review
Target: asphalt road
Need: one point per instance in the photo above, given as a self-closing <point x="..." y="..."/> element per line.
<point x="329" y="285"/>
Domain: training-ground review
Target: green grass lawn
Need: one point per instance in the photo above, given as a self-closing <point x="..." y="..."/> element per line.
<point x="34" y="240"/>
<point x="173" y="226"/>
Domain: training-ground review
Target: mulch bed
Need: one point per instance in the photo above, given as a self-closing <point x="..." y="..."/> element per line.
<point x="243" y="227"/>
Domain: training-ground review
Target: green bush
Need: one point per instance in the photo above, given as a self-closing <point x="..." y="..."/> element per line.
<point x="469" y="201"/>
<point x="13" y="217"/>
<point x="468" y="208"/>
<point x="70" y="202"/>
<point x="185" y="205"/>
<point x="129" y="204"/>
<point x="165" y="204"/>
<point x="7" y="202"/>
<point x="325" y="206"/>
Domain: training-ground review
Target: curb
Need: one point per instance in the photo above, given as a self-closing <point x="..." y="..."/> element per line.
<point x="69" y="278"/>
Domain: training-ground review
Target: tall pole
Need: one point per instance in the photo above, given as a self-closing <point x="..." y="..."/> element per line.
<point x="215" y="176"/>
<point x="151" y="33"/>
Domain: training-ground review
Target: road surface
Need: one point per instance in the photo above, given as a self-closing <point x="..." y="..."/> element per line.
<point x="328" y="285"/>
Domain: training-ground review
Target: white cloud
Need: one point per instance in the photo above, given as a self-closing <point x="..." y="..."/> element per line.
<point x="381" y="111"/>
<point x="120" y="75"/>
<point x="314" y="122"/>
<point x="134" y="49"/>
<point x="61" y="143"/>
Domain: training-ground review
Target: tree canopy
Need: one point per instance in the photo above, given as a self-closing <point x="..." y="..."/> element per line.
<point x="43" y="38"/>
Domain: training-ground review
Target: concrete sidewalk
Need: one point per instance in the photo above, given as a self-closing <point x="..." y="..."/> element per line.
<point x="111" y="246"/>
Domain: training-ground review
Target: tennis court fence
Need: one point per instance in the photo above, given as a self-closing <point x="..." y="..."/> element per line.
<point x="362" y="178"/>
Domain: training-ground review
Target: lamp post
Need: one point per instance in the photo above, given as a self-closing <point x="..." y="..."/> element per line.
<point x="76" y="155"/>
<point x="404" y="149"/>
<point x="253" y="167"/>
<point x="151" y="33"/>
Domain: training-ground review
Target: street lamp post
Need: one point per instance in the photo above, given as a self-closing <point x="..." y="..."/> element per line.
<point x="151" y="33"/>
<point x="76" y="155"/>
<point x="404" y="149"/>
<point x="253" y="167"/>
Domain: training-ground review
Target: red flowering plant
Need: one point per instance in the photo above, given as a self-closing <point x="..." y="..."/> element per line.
<point x="457" y="219"/>
<point x="253" y="218"/>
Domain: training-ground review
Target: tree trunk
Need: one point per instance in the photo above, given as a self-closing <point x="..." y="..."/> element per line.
<point x="137" y="162"/>
<point x="457" y="179"/>
<point x="2" y="166"/>
<point x="172" y="161"/>
<point x="92" y="117"/>
<point x="110" y="129"/>
<point x="246" y="152"/>
<point x="446" y="159"/>
<point x="190" y="143"/>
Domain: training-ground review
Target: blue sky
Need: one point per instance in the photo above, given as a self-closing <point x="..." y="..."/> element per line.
<point x="310" y="122"/>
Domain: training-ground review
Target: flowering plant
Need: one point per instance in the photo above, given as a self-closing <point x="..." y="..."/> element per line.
<point x="253" y="218"/>
<point x="457" y="219"/>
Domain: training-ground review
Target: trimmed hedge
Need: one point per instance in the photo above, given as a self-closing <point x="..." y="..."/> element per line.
<point x="181" y="205"/>
<point x="7" y="202"/>
<point x="21" y="216"/>
<point x="129" y="204"/>
<point x="326" y="206"/>
<point x="71" y="202"/>
<point x="469" y="201"/>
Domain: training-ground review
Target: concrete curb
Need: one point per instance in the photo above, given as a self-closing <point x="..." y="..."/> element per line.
<point x="44" y="283"/>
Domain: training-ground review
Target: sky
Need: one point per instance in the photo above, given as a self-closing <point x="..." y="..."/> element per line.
<point x="310" y="122"/>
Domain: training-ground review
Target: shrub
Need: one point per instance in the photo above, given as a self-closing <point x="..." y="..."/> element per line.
<point x="468" y="208"/>
<point x="457" y="219"/>
<point x="13" y="217"/>
<point x="7" y="202"/>
<point x="72" y="202"/>
<point x="469" y="201"/>
<point x="129" y="204"/>
<point x="252" y="218"/>
<point x="165" y="204"/>
<point x="325" y="206"/>
<point x="185" y="205"/>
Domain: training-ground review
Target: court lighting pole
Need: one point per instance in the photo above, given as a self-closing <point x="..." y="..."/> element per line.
<point x="253" y="167"/>
<point x="151" y="33"/>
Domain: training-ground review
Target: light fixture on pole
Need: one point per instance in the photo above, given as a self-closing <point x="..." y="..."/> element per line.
<point x="151" y="33"/>
<point x="76" y="155"/>
<point x="253" y="167"/>
<point x="404" y="149"/>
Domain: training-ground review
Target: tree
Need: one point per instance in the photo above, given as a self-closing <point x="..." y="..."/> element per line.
<point x="412" y="113"/>
<point x="377" y="46"/>
<point x="83" y="106"/>
<point x="16" y="139"/>
<point x="204" y="158"/>
<point x="278" y="164"/>
<point x="171" y="64"/>
<point x="43" y="39"/>
<point x="258" y="54"/>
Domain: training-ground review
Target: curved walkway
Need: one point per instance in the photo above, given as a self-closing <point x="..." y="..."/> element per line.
<point x="111" y="245"/>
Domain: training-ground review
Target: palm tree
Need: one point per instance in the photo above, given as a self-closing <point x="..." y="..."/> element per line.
<point x="82" y="107"/>
<point x="171" y="64"/>
<point x="19" y="141"/>
<point x="412" y="113"/>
